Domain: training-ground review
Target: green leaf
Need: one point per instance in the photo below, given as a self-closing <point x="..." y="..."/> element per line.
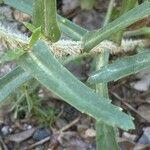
<point x="138" y="32"/>
<point x="29" y="102"/>
<point x="106" y="136"/>
<point x="11" y="55"/>
<point x="11" y="81"/>
<point x="29" y="26"/>
<point x="22" y="5"/>
<point x="69" y="28"/>
<point x="121" y="68"/>
<point x="44" y="16"/>
<point x="20" y="75"/>
<point x="1" y="1"/>
<point x="43" y="66"/>
<point x="93" y="38"/>
<point x="126" y="6"/>
<point x="36" y="34"/>
<point x="38" y="13"/>
<point x="51" y="29"/>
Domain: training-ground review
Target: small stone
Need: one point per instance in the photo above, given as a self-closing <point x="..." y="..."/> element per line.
<point x="81" y="128"/>
<point x="90" y="133"/>
<point x="130" y="137"/>
<point x="41" y="133"/>
<point x="145" y="138"/>
<point x="6" y="130"/>
<point x="27" y="126"/>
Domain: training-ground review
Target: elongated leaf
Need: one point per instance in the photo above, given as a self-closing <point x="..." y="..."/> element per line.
<point x="29" y="26"/>
<point x="22" y="5"/>
<point x="36" y="34"/>
<point x="70" y="29"/>
<point x="93" y="38"/>
<point x="106" y="137"/>
<point x="19" y="73"/>
<point x="38" y="13"/>
<point x="29" y="102"/>
<point x="42" y="65"/>
<point x="126" y="6"/>
<point x="121" y="68"/>
<point x="138" y="32"/>
<point x="11" y="81"/>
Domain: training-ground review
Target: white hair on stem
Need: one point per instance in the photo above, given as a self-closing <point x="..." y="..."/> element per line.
<point x="14" y="39"/>
<point x="11" y="38"/>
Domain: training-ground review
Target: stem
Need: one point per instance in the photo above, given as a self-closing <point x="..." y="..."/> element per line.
<point x="126" y="6"/>
<point x="139" y="32"/>
<point x="106" y="137"/>
<point x="51" y="29"/>
<point x="109" y="12"/>
<point x="38" y="13"/>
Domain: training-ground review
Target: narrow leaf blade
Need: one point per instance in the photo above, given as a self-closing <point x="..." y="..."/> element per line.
<point x="107" y="136"/>
<point x="42" y="65"/>
<point x="11" y="81"/>
<point x="93" y="38"/>
<point x="69" y="28"/>
<point x="121" y="68"/>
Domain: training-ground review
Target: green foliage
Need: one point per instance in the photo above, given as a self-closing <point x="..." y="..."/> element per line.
<point x="126" y="6"/>
<point x="45" y="116"/>
<point x="36" y="61"/>
<point x="121" y="68"/>
<point x="142" y="31"/>
<point x="93" y="38"/>
<point x="27" y="102"/>
<point x="51" y="29"/>
<point x="70" y="29"/>
<point x="103" y="130"/>
<point x="13" y="79"/>
<point x="38" y="13"/>
<point x="1" y="1"/>
<point x="36" y="34"/>
<point x="44" y="16"/>
<point x="42" y="65"/>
